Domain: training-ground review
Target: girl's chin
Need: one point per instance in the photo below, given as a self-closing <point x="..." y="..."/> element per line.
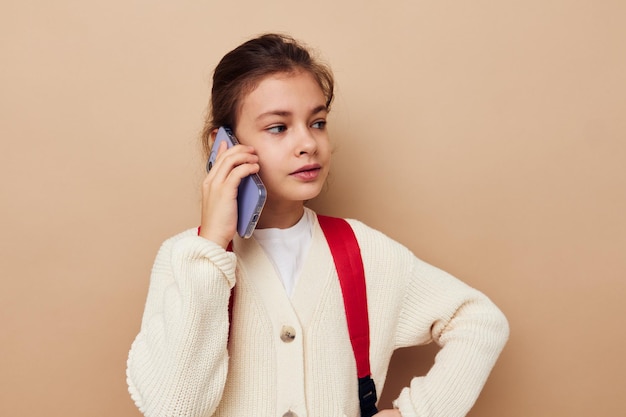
<point x="314" y="192"/>
<point x="300" y="197"/>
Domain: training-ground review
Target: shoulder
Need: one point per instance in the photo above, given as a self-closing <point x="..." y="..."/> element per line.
<point x="367" y="236"/>
<point x="379" y="251"/>
<point x="373" y="239"/>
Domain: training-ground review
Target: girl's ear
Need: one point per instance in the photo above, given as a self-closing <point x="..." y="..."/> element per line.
<point x="212" y="138"/>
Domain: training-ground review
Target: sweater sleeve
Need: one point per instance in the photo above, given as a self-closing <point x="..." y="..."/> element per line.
<point x="178" y="363"/>
<point x="468" y="327"/>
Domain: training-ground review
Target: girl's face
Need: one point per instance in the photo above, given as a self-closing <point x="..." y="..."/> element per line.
<point x="284" y="119"/>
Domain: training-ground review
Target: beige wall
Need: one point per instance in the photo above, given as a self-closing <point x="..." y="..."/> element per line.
<point x="489" y="137"/>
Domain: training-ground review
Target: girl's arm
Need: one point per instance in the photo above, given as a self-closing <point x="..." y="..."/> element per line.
<point x="471" y="331"/>
<point x="178" y="362"/>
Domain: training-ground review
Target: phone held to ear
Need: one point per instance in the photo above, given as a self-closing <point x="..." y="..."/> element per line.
<point x="251" y="194"/>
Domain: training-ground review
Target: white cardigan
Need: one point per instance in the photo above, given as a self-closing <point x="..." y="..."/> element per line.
<point x="186" y="362"/>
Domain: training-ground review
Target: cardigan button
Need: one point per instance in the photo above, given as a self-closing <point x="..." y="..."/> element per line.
<point x="290" y="414"/>
<point x="287" y="334"/>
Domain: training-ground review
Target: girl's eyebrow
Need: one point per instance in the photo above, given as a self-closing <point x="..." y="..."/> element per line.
<point x="274" y="113"/>
<point x="319" y="109"/>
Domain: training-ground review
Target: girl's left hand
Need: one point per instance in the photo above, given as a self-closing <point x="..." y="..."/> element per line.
<point x="388" y="413"/>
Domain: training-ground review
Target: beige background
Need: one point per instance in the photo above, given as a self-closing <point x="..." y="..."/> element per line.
<point x="488" y="137"/>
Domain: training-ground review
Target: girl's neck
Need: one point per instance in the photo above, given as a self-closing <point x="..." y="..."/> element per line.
<point x="282" y="216"/>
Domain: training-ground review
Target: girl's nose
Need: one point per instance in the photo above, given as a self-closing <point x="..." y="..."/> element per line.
<point x="307" y="144"/>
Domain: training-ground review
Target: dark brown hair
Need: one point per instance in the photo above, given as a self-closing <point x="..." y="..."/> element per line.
<point x="240" y="71"/>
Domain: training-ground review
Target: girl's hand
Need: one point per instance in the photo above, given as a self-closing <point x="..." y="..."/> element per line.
<point x="388" y="413"/>
<point x="219" y="192"/>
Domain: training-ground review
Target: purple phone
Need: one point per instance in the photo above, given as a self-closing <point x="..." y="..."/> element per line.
<point x="251" y="194"/>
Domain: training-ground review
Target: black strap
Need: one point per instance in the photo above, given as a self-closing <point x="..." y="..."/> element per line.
<point x="367" y="396"/>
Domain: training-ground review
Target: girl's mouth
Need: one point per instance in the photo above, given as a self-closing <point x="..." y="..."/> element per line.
<point x="307" y="172"/>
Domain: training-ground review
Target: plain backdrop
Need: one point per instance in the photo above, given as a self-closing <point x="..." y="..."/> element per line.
<point x="488" y="137"/>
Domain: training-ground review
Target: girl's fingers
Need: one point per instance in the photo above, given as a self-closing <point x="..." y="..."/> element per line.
<point x="228" y="160"/>
<point x="219" y="194"/>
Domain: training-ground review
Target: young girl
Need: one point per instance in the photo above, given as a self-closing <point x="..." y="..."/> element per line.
<point x="257" y="327"/>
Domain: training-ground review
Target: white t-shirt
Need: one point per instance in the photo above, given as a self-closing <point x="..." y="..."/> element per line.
<point x="287" y="248"/>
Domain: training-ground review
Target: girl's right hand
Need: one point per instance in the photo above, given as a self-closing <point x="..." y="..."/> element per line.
<point x="219" y="192"/>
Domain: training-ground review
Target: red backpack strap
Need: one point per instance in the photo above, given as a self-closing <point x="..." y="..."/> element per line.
<point x="349" y="265"/>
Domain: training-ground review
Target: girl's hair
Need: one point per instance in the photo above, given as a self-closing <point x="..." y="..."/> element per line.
<point x="242" y="69"/>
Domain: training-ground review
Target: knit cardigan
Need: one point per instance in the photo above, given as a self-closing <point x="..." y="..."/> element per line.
<point x="187" y="360"/>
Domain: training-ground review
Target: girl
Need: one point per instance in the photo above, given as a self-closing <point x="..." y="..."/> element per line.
<point x="282" y="348"/>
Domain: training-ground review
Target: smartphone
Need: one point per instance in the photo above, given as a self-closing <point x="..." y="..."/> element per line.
<point x="251" y="194"/>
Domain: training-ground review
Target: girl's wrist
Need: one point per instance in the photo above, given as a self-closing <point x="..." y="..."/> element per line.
<point x="224" y="243"/>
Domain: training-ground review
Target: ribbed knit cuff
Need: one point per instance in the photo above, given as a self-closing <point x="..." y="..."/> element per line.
<point x="196" y="248"/>
<point x="403" y="403"/>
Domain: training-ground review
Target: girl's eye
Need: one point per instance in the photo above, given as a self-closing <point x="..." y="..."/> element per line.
<point x="277" y="129"/>
<point x="320" y="124"/>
